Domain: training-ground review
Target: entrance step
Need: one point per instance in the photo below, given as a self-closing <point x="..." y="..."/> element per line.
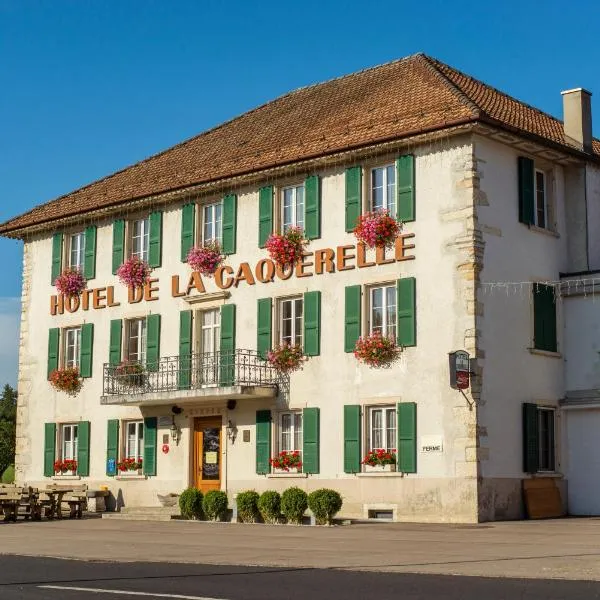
<point x="144" y="513"/>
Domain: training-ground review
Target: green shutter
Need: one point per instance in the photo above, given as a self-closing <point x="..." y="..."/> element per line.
<point x="310" y="440"/>
<point x="312" y="203"/>
<point x="406" y="309"/>
<point x="89" y="262"/>
<point x="185" y="349"/>
<point x="407" y="437"/>
<point x="112" y="447"/>
<point x="229" y="224"/>
<point x="526" y="190"/>
<point x="188" y="229"/>
<point x="83" y="448"/>
<point x="312" y="323"/>
<point x="263" y="441"/>
<point x="87" y="350"/>
<point x="118" y="249"/>
<point x="149" y="464"/>
<point x="227" y="362"/>
<point x="57" y="247"/>
<point x="353" y="196"/>
<point x="352" y="317"/>
<point x="405" y="175"/>
<point x="530" y="438"/>
<point x="152" y="342"/>
<point x="544" y="318"/>
<point x="352" y="435"/>
<point x="116" y="333"/>
<point x="263" y="329"/>
<point x="53" y="349"/>
<point x="49" y="448"/>
<point x="155" y="239"/>
<point x="265" y="215"/>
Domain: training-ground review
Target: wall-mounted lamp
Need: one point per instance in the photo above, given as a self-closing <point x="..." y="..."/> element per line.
<point x="231" y="431"/>
<point x="175" y="431"/>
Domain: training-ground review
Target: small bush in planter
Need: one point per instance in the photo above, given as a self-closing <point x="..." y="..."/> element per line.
<point x="294" y="503"/>
<point x="324" y="504"/>
<point x="247" y="506"/>
<point x="9" y="474"/>
<point x="269" y="505"/>
<point x="214" y="505"/>
<point x="190" y="503"/>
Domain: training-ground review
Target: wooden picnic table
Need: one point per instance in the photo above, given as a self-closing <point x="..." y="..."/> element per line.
<point x="55" y="496"/>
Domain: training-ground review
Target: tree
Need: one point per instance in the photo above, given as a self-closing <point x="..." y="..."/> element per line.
<point x="8" y="427"/>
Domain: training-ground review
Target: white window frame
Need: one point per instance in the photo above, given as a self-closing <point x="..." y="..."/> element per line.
<point x="546" y="224"/>
<point x="391" y="207"/>
<point x="386" y="409"/>
<point x="73" y="444"/>
<point x="213" y="327"/>
<point x="138" y="440"/>
<point x="297" y="325"/>
<point x="144" y="238"/>
<point x="71" y="337"/>
<point x="216" y="224"/>
<point x="76" y="245"/>
<point x="294" y="222"/>
<point x="552" y="450"/>
<point x="142" y="339"/>
<point x="295" y="431"/>
<point x="387" y="329"/>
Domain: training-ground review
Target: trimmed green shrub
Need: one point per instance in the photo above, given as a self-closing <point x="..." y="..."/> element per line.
<point x="294" y="503"/>
<point x="190" y="503"/>
<point x="269" y="505"/>
<point x="215" y="505"/>
<point x="324" y="504"/>
<point x="247" y="506"/>
<point x="9" y="474"/>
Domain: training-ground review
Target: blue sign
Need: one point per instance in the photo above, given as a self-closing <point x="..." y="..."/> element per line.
<point x="111" y="466"/>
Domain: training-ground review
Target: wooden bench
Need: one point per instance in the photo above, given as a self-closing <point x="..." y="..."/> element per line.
<point x="75" y="498"/>
<point x="10" y="500"/>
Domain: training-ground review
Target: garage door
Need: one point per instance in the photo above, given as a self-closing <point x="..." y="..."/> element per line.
<point x="583" y="466"/>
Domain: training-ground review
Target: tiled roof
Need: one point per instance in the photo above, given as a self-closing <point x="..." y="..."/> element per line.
<point x="413" y="95"/>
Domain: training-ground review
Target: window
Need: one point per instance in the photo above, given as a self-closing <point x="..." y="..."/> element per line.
<point x="292" y="207"/>
<point x="72" y="347"/>
<point x="382" y="192"/>
<point x="76" y="253"/>
<point x="541" y="211"/>
<point x="544" y="318"/>
<point x="546" y="439"/>
<point x="134" y="441"/>
<point x="210" y="330"/>
<point x="136" y="340"/>
<point x="212" y="219"/>
<point x="290" y="432"/>
<point x="290" y="321"/>
<point x="382" y="428"/>
<point x="140" y="238"/>
<point x="382" y="316"/>
<point x="68" y="442"/>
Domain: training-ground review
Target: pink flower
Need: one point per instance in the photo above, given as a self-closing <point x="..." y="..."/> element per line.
<point x="377" y="229"/>
<point x="134" y="272"/>
<point x="286" y="357"/>
<point x="70" y="282"/>
<point x="376" y="350"/>
<point x="287" y="249"/>
<point x="206" y="259"/>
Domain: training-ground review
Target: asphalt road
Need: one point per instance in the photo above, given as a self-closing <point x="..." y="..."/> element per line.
<point x="29" y="578"/>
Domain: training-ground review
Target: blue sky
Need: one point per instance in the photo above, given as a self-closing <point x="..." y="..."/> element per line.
<point x="89" y="87"/>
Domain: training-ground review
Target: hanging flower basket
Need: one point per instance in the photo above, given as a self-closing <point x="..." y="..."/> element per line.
<point x="66" y="380"/>
<point x="377" y="229"/>
<point x="286" y="461"/>
<point x="206" y="259"/>
<point x="376" y="350"/>
<point x="286" y="357"/>
<point x="134" y="272"/>
<point x="70" y="283"/>
<point x="130" y="373"/>
<point x="380" y="458"/>
<point x="129" y="464"/>
<point x="62" y="467"/>
<point x="286" y="249"/>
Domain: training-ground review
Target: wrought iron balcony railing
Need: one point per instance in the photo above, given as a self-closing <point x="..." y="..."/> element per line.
<point x="192" y="371"/>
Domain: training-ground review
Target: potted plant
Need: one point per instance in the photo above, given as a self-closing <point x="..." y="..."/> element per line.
<point x="287" y="461"/>
<point x="131" y="466"/>
<point x="70" y="283"/>
<point x="130" y="373"/>
<point x="286" y="357"/>
<point x="134" y="272"/>
<point x="65" y="467"/>
<point x="379" y="459"/>
<point x="206" y="259"/>
<point x="66" y="380"/>
<point x="377" y="229"/>
<point x="376" y="350"/>
<point x="286" y="249"/>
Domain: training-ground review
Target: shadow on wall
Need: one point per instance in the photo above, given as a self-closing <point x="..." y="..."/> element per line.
<point x="115" y="503"/>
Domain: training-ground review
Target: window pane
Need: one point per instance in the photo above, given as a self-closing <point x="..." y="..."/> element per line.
<point x="218" y="232"/>
<point x="540" y="186"/>
<point x="390" y="296"/>
<point x="300" y="206"/>
<point x="297" y="431"/>
<point x="288" y="208"/>
<point x="376" y="428"/>
<point x="391" y="429"/>
<point x="391" y="189"/>
<point x="376" y="309"/>
<point x="208" y="224"/>
<point x="286" y="432"/>
<point x="298" y="322"/>
<point x="377" y="189"/>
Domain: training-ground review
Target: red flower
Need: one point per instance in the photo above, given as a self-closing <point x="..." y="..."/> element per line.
<point x="287" y="249"/>
<point x="286" y="461"/>
<point x="377" y="229"/>
<point x="376" y="350"/>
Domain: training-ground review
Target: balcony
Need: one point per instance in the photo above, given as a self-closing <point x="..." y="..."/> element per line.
<point x="234" y="374"/>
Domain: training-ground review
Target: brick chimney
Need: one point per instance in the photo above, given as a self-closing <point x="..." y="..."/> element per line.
<point x="577" y="116"/>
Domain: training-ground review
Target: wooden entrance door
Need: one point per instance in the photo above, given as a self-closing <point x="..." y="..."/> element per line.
<point x="207" y="453"/>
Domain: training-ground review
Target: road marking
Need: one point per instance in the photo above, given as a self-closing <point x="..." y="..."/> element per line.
<point x="124" y="592"/>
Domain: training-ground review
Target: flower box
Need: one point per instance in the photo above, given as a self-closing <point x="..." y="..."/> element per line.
<point x="70" y="283"/>
<point x="129" y="466"/>
<point x="206" y="259"/>
<point x="286" y="357"/>
<point x="67" y="467"/>
<point x="286" y="462"/>
<point x="380" y="468"/>
<point x="130" y="374"/>
<point x="66" y="380"/>
<point x="376" y="350"/>
<point x="377" y="229"/>
<point x="286" y="249"/>
<point x="134" y="272"/>
<point x="379" y="459"/>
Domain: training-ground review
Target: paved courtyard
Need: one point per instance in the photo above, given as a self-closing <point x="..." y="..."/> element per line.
<point x="564" y="549"/>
